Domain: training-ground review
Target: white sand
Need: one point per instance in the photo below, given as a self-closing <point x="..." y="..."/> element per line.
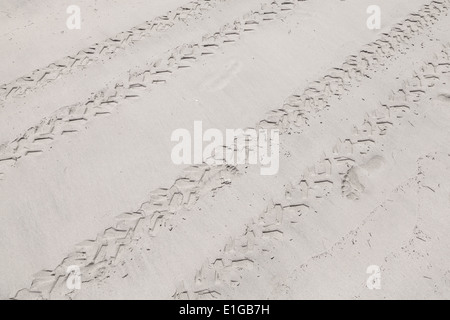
<point x="381" y="197"/>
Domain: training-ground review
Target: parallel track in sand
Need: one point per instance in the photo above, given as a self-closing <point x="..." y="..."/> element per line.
<point x="71" y="119"/>
<point x="336" y="173"/>
<point x="107" y="48"/>
<point x="333" y="174"/>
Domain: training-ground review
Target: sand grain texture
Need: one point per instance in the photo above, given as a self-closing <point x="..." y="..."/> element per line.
<point x="87" y="180"/>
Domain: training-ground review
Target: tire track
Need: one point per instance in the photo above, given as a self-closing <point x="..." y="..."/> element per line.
<point x="336" y="173"/>
<point x="414" y="246"/>
<point x="107" y="48"/>
<point x="73" y="118"/>
<point x="293" y="116"/>
<point x="94" y="256"/>
<point x="51" y="283"/>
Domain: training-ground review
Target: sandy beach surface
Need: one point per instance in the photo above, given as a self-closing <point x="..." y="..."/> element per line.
<point x="93" y="204"/>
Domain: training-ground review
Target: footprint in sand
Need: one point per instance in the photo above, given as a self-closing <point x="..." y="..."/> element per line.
<point x="357" y="181"/>
<point x="219" y="80"/>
